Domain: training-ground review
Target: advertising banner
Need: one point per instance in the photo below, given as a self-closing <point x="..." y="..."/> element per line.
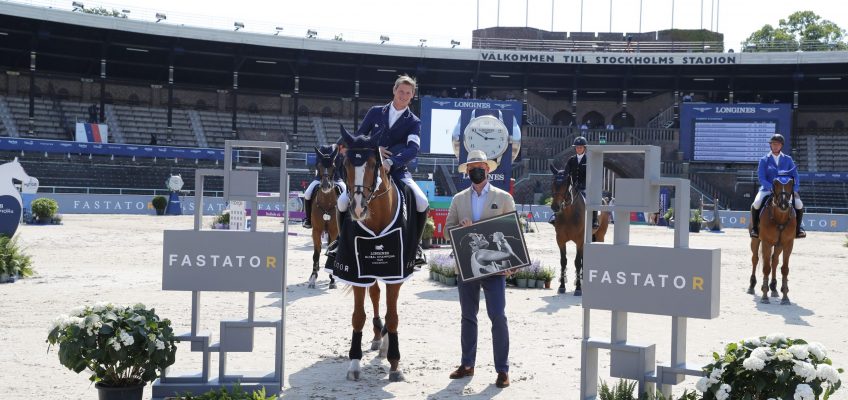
<point x="92" y="133"/>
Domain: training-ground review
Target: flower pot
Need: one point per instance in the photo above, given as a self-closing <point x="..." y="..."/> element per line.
<point x="547" y="284"/>
<point x="531" y="283"/>
<point x="450" y="281"/>
<point x="4" y="278"/>
<point x="160" y="211"/>
<point x="521" y="282"/>
<point x="694" y="227"/>
<point x="441" y="278"/>
<point x="540" y="283"/>
<point x="432" y="275"/>
<point x="119" y="393"/>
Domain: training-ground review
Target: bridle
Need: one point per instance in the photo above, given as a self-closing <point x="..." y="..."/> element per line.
<point x="359" y="157"/>
<point x="561" y="179"/>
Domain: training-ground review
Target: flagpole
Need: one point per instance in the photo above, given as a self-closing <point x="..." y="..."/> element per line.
<point x="552" y="15"/>
<point x="640" y="16"/>
<point x="581" y="15"/>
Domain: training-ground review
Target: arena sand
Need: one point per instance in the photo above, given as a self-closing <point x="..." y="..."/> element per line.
<point x="118" y="258"/>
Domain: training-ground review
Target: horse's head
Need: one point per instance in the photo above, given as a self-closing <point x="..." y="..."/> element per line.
<point x="362" y="164"/>
<point x="561" y="190"/>
<point x="326" y="166"/>
<point x="782" y="192"/>
<point x="13" y="169"/>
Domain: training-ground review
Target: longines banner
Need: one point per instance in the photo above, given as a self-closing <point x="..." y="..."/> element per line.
<point x="609" y="58"/>
<point x="222" y="261"/>
<point x="676" y="282"/>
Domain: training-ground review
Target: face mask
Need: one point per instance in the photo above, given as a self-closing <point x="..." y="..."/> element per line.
<point x="477" y="175"/>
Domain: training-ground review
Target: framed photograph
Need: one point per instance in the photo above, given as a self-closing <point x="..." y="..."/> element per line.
<point x="489" y="246"/>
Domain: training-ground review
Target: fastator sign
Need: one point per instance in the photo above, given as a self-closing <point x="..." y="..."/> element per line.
<point x="229" y="261"/>
<point x="678" y="282"/>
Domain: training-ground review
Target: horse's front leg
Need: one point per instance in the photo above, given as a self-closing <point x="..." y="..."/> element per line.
<point x="316" y="257"/>
<point x="377" y="323"/>
<point x="766" y="257"/>
<point x="563" y="262"/>
<point x="578" y="271"/>
<point x="755" y="259"/>
<point x="784" y="271"/>
<point x="358" y="321"/>
<point x="393" y="354"/>
<point x="775" y="258"/>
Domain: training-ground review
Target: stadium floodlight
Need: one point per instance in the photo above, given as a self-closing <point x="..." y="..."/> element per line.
<point x="160" y="16"/>
<point x="238" y="25"/>
<point x="423" y="42"/>
<point x="454" y="43"/>
<point x="77" y="6"/>
<point x="383" y="39"/>
<point x="278" y="30"/>
<point x="311" y="34"/>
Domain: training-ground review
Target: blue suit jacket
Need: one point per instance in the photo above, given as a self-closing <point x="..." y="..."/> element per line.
<point x="402" y="139"/>
<point x="768" y="170"/>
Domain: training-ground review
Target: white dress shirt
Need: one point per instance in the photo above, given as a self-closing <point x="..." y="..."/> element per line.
<point x="478" y="202"/>
<point x="395" y="114"/>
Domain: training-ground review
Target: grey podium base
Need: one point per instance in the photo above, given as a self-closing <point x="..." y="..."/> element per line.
<point x="162" y="391"/>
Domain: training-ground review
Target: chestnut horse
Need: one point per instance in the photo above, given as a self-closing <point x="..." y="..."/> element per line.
<point x="324" y="207"/>
<point x="777" y="235"/>
<point x="570" y="211"/>
<point x="374" y="202"/>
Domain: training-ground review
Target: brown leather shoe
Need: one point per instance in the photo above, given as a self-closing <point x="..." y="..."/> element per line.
<point x="503" y="380"/>
<point x="462" y="372"/>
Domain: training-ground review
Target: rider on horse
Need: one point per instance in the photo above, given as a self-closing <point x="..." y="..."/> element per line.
<point x="398" y="131"/>
<point x="576" y="169"/>
<point x="771" y="165"/>
<point x="326" y="155"/>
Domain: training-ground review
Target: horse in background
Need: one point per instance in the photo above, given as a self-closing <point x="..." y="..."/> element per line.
<point x="777" y="236"/>
<point x="570" y="218"/>
<point x="324" y="208"/>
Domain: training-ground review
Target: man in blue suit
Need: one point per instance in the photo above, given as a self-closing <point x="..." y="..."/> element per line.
<point x="772" y="165"/>
<point x="398" y="130"/>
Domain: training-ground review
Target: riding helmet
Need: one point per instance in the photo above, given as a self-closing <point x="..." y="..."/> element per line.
<point x="580" y="141"/>
<point x="777" y="138"/>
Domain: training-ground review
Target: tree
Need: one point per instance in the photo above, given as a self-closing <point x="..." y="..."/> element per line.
<point x="802" y="30"/>
<point x="102" y="11"/>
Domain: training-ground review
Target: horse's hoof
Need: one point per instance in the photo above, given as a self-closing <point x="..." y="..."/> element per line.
<point x="353" y="371"/>
<point x="785" y="301"/>
<point x="561" y="290"/>
<point x="375" y="344"/>
<point x="396" y="376"/>
<point x="765" y="300"/>
<point x="774" y="294"/>
<point x="750" y="290"/>
<point x="332" y="285"/>
<point x="578" y="292"/>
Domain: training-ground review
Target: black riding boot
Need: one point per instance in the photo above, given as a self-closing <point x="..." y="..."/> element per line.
<point x="334" y="246"/>
<point x="800" y="233"/>
<point x="307" y="221"/>
<point x="755" y="223"/>
<point x="595" y="224"/>
<point x="421" y="221"/>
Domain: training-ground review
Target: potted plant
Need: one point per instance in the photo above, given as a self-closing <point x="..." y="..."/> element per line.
<point x="442" y="265"/>
<point x="521" y="278"/>
<point x="427" y="235"/>
<point x="532" y="271"/>
<point x="43" y="210"/>
<point x="695" y="221"/>
<point x="547" y="275"/>
<point x="14" y="263"/>
<point x="159" y="203"/>
<point x="222" y="220"/>
<point x="773" y="366"/>
<point x="668" y="217"/>
<point x="122" y="347"/>
<point x="450" y="277"/>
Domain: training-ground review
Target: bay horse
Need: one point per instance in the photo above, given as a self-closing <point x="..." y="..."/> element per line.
<point x="570" y="211"/>
<point x="324" y="207"/>
<point x="777" y="236"/>
<point x="375" y="205"/>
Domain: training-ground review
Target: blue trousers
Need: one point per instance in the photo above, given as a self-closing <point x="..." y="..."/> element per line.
<point x="469" y="300"/>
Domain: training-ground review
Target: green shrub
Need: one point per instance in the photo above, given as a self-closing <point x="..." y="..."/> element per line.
<point x="13" y="261"/>
<point x="623" y="390"/>
<point x="159" y="202"/>
<point x="547" y="200"/>
<point x="429" y="229"/>
<point x="236" y="394"/>
<point x="223" y="218"/>
<point x="44" y="208"/>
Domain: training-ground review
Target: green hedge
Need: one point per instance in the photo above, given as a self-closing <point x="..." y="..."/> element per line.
<point x="44" y="208"/>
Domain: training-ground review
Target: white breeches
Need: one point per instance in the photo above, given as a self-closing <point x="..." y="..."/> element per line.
<point x="309" y="190"/>
<point x="758" y="201"/>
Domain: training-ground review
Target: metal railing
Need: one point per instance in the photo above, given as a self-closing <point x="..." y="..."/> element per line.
<point x="793" y="45"/>
<point x="622" y="46"/>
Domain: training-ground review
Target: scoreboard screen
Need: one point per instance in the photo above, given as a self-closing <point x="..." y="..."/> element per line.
<point x="731" y="132"/>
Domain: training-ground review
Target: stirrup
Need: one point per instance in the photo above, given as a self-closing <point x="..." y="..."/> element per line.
<point x="332" y="248"/>
<point x="420" y="257"/>
<point x="307" y="223"/>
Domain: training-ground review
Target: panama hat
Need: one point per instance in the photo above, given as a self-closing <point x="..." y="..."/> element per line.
<point x="476" y="156"/>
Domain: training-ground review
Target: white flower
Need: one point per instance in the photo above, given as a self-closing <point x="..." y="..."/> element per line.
<point x="723" y="392"/>
<point x="827" y="373"/>
<point x="715" y="375"/>
<point x="126" y="338"/>
<point x="753" y="363"/>
<point x="776" y="338"/>
<point x="78" y="321"/>
<point x="139" y="318"/>
<point x="160" y="345"/>
<point x="818" y="350"/>
<point x="763" y="353"/>
<point x="805" y="370"/>
<point x="59" y="322"/>
<point x="78" y="311"/>
<point x="115" y="344"/>
<point x="138" y="306"/>
<point x="703" y="384"/>
<point x="804" y="392"/>
<point x="783" y="355"/>
<point x="799" y="351"/>
<point x="753" y="341"/>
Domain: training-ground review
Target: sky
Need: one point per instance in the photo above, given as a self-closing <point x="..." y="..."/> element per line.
<point x="440" y="21"/>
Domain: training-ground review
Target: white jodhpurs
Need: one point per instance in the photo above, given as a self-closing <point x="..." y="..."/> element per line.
<point x="758" y="201"/>
<point x="307" y="194"/>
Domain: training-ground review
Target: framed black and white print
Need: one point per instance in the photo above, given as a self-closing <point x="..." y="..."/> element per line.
<point x="489" y="246"/>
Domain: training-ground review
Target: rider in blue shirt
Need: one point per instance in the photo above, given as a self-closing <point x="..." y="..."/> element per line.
<point x="772" y="165"/>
